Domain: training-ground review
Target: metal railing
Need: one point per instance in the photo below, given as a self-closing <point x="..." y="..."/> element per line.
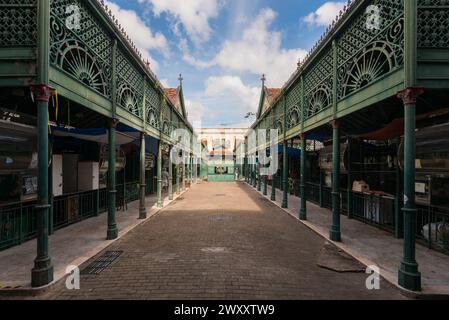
<point x="18" y="220"/>
<point x="432" y="227"/>
<point x="313" y="192"/>
<point x="374" y="209"/>
<point x="17" y="224"/>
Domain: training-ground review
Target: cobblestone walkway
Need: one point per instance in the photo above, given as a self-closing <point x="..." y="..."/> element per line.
<point x="221" y="241"/>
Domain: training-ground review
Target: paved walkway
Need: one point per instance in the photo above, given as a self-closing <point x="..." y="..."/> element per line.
<point x="72" y="245"/>
<point x="221" y="241"/>
<point x="373" y="246"/>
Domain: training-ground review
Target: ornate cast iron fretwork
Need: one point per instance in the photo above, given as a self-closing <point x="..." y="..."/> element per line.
<point x="365" y="55"/>
<point x="373" y="62"/>
<point x="18" y="23"/>
<point x="84" y="54"/>
<point x="152" y="105"/>
<point x="318" y="85"/>
<point x="433" y="24"/>
<point x="130" y="86"/>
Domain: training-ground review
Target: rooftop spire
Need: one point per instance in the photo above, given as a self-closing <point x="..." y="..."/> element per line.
<point x="263" y="79"/>
<point x="180" y="78"/>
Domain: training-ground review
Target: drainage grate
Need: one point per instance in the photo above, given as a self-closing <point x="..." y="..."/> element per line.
<point x="102" y="262"/>
<point x="220" y="195"/>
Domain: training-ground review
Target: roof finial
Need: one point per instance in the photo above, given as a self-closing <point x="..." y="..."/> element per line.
<point x="180" y="79"/>
<point x="263" y="80"/>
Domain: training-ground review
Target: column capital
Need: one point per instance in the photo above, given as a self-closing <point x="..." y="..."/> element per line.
<point x="335" y="124"/>
<point x="113" y="122"/>
<point x="410" y="95"/>
<point x="42" y="92"/>
<point x="142" y="135"/>
<point x="302" y="136"/>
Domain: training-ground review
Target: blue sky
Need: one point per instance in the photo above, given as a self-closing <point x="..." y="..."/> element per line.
<point x="222" y="47"/>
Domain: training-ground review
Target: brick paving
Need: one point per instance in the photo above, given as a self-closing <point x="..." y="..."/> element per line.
<point x="221" y="241"/>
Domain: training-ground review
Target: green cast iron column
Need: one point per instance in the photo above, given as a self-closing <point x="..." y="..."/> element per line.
<point x="285" y="176"/>
<point x="142" y="207"/>
<point x="253" y="171"/>
<point x="303" y="209"/>
<point x="42" y="272"/>
<point x="170" y="175"/>
<point x="349" y="189"/>
<point x="184" y="173"/>
<point x="409" y="276"/>
<point x="273" y="187"/>
<point x="399" y="218"/>
<point x="335" y="233"/>
<point x="321" y="190"/>
<point x="285" y="159"/>
<point x="259" y="177"/>
<point x="178" y="187"/>
<point x="112" y="232"/>
<point x="265" y="185"/>
<point x="160" y="204"/>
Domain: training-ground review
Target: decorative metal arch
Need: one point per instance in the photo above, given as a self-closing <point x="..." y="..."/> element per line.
<point x="319" y="99"/>
<point x="74" y="58"/>
<point x="128" y="99"/>
<point x="377" y="59"/>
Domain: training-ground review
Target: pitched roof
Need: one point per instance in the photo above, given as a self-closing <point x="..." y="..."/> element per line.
<point x="172" y="94"/>
<point x="273" y="93"/>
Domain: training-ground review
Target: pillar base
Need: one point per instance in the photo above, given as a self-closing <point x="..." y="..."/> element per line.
<point x="284" y="205"/>
<point x="142" y="213"/>
<point x="160" y="204"/>
<point x="303" y="215"/>
<point x="42" y="273"/>
<point x="273" y="198"/>
<point x="409" y="277"/>
<point x="335" y="234"/>
<point x="112" y="233"/>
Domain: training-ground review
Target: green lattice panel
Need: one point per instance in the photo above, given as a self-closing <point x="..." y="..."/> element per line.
<point x="152" y="105"/>
<point x="18" y="23"/>
<point x="356" y="35"/>
<point x="129" y="85"/>
<point x="365" y="55"/>
<point x="318" y="85"/>
<point x="85" y="53"/>
<point x="433" y="24"/>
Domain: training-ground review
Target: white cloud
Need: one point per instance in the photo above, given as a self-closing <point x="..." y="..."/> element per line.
<point x="140" y="33"/>
<point x="258" y="51"/>
<point x="231" y="86"/>
<point x="194" y="15"/>
<point x="325" y="14"/>
<point x="196" y="112"/>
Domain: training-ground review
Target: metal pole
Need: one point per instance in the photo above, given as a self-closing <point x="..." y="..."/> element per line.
<point x="408" y="275"/>
<point x="285" y="176"/>
<point x="112" y="232"/>
<point x="42" y="273"/>
<point x="170" y="176"/>
<point x="303" y="210"/>
<point x="399" y="218"/>
<point x="142" y="206"/>
<point x="335" y="233"/>
<point x="160" y="204"/>
<point x="349" y="189"/>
